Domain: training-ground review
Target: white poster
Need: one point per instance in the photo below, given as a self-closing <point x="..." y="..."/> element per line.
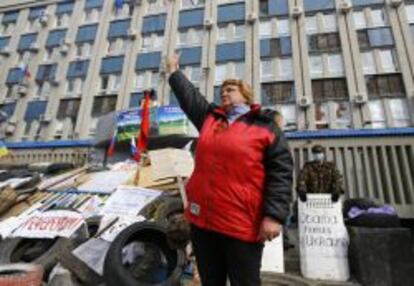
<point x="272" y="259"/>
<point x="128" y="200"/>
<point x="50" y="224"/>
<point x="323" y="239"/>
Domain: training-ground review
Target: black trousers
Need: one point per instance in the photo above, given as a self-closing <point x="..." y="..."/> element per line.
<point x="219" y="256"/>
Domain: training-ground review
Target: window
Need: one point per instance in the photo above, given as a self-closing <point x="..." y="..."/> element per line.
<point x="70" y="85"/>
<point x="155" y="79"/>
<point x="316" y="66"/>
<point x="399" y="112"/>
<point x="377" y="112"/>
<point x="368" y="63"/>
<point x="385" y="86"/>
<point x="103" y="105"/>
<point x="116" y="82"/>
<point x="239" y="70"/>
<point x="265" y="29"/>
<point x="409" y="9"/>
<point x="329" y="23"/>
<point x="378" y="37"/>
<point x="335" y="65"/>
<point x="277" y="93"/>
<point x="231" y="32"/>
<point x="192" y="3"/>
<point x="264" y="7"/>
<point x="278" y="47"/>
<point x="342" y="113"/>
<point x="222" y="34"/>
<point x="311" y="25"/>
<point x="387" y="61"/>
<point x="220" y="73"/>
<point x="329" y="42"/>
<point x="104" y="82"/>
<point x="140" y="81"/>
<point x="239" y="32"/>
<point x="359" y="20"/>
<point x="378" y="18"/>
<point x="282" y="27"/>
<point x="48" y="55"/>
<point x="152" y="42"/>
<point x="329" y="89"/>
<point x="43" y="89"/>
<point x="195" y="75"/>
<point x="190" y="37"/>
<point x="285" y="69"/>
<point x="266" y="70"/>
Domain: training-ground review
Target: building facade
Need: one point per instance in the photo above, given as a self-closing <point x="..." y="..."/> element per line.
<point x="329" y="64"/>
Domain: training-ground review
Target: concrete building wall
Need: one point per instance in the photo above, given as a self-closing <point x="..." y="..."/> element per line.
<point x="345" y="67"/>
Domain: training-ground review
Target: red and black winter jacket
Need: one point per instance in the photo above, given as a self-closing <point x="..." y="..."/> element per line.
<point x="243" y="171"/>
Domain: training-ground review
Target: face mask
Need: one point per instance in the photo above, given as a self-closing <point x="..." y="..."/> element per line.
<point x="318" y="157"/>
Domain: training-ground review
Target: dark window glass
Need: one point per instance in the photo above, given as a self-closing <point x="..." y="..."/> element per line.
<point x="264" y="7"/>
<point x="329" y="89"/>
<point x="277" y="93"/>
<point x="321" y="43"/>
<point x="68" y="108"/>
<point x="390" y="85"/>
<point x="374" y="38"/>
<point x="103" y="105"/>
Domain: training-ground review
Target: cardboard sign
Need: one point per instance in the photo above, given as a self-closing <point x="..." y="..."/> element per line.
<point x="93" y="253"/>
<point x="128" y="200"/>
<point x="168" y="163"/>
<point x="50" y="224"/>
<point x="323" y="239"/>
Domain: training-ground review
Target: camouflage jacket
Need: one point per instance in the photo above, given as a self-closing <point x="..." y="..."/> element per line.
<point x="319" y="177"/>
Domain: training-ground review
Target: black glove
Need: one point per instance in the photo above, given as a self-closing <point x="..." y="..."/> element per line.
<point x="335" y="197"/>
<point x="302" y="196"/>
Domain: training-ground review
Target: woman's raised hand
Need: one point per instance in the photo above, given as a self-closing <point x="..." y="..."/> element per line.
<point x="172" y="63"/>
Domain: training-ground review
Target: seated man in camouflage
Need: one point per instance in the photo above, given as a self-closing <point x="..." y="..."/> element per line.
<point x="319" y="177"/>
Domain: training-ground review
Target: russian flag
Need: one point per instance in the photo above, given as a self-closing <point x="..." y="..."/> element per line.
<point x="111" y="149"/>
<point x="134" y="150"/>
<point x="25" y="68"/>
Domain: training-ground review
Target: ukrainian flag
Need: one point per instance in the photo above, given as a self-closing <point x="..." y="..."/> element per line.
<point x="3" y="149"/>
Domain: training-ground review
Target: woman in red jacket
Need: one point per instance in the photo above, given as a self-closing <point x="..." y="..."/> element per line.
<point x="240" y="190"/>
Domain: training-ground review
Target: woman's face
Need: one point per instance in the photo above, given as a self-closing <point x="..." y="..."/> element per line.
<point x="231" y="95"/>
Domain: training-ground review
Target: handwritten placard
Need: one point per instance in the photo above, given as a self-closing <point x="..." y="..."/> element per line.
<point x="50" y="224"/>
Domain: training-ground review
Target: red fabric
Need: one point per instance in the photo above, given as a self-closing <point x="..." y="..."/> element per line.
<point x="225" y="191"/>
<point x="145" y="124"/>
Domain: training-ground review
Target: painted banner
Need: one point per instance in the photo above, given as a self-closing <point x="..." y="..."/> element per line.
<point x="50" y="224"/>
<point x="323" y="239"/>
<point x="164" y="120"/>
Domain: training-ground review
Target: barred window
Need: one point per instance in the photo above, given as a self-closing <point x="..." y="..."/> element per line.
<point x="390" y="85"/>
<point x="320" y="43"/>
<point x="329" y="89"/>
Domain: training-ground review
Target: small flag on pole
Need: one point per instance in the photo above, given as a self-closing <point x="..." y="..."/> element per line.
<point x="25" y="68"/>
<point x="134" y="150"/>
<point x="118" y="4"/>
<point x="3" y="149"/>
<point x="111" y="149"/>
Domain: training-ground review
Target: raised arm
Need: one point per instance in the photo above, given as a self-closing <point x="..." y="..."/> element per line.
<point x="191" y="101"/>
